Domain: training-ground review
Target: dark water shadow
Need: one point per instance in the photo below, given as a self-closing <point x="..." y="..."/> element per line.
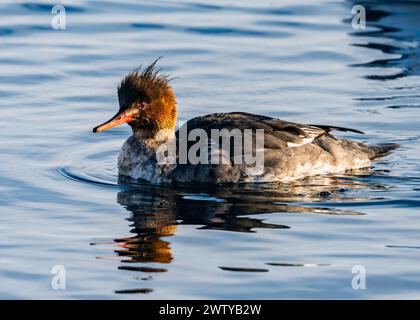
<point x="394" y="30"/>
<point x="46" y="8"/>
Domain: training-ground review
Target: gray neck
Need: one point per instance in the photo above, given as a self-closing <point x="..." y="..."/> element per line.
<point x="154" y="140"/>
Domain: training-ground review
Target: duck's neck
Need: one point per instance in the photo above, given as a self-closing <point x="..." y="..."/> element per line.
<point x="153" y="139"/>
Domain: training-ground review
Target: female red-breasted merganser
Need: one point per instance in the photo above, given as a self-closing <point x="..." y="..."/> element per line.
<point x="290" y="150"/>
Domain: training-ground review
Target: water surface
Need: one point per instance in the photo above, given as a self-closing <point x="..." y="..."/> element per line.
<point x="61" y="201"/>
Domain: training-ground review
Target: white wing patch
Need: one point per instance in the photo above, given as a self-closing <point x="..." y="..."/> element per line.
<point x="311" y="132"/>
<point x="304" y="141"/>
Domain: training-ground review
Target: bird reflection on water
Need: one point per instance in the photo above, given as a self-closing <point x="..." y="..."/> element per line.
<point x="156" y="212"/>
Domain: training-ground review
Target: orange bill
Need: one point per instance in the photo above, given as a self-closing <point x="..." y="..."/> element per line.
<point x="118" y="119"/>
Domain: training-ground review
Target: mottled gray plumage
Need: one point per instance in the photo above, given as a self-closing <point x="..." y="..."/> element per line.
<point x="291" y="151"/>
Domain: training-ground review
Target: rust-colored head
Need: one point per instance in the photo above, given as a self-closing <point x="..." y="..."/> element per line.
<point x="147" y="102"/>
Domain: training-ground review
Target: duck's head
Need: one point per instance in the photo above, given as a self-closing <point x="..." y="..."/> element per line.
<point x="147" y="103"/>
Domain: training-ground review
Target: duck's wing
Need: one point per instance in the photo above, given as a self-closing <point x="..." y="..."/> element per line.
<point x="330" y="128"/>
<point x="278" y="134"/>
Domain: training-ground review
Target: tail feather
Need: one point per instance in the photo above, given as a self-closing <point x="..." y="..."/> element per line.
<point x="383" y="149"/>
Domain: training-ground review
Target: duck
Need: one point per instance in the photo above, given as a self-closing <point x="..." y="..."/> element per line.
<point x="290" y="150"/>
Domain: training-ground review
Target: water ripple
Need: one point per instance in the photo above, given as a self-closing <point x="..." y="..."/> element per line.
<point x="41" y="7"/>
<point x="300" y="62"/>
<point x="238" y="269"/>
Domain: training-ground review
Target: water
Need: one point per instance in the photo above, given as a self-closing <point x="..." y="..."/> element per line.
<point x="61" y="202"/>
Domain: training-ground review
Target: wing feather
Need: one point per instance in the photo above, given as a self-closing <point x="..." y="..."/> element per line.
<point x="277" y="133"/>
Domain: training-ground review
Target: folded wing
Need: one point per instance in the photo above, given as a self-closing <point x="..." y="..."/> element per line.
<point x="278" y="134"/>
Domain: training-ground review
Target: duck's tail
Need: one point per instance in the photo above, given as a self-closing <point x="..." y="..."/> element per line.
<point x="383" y="149"/>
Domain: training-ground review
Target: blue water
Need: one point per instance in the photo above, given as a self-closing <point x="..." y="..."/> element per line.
<point x="61" y="202"/>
